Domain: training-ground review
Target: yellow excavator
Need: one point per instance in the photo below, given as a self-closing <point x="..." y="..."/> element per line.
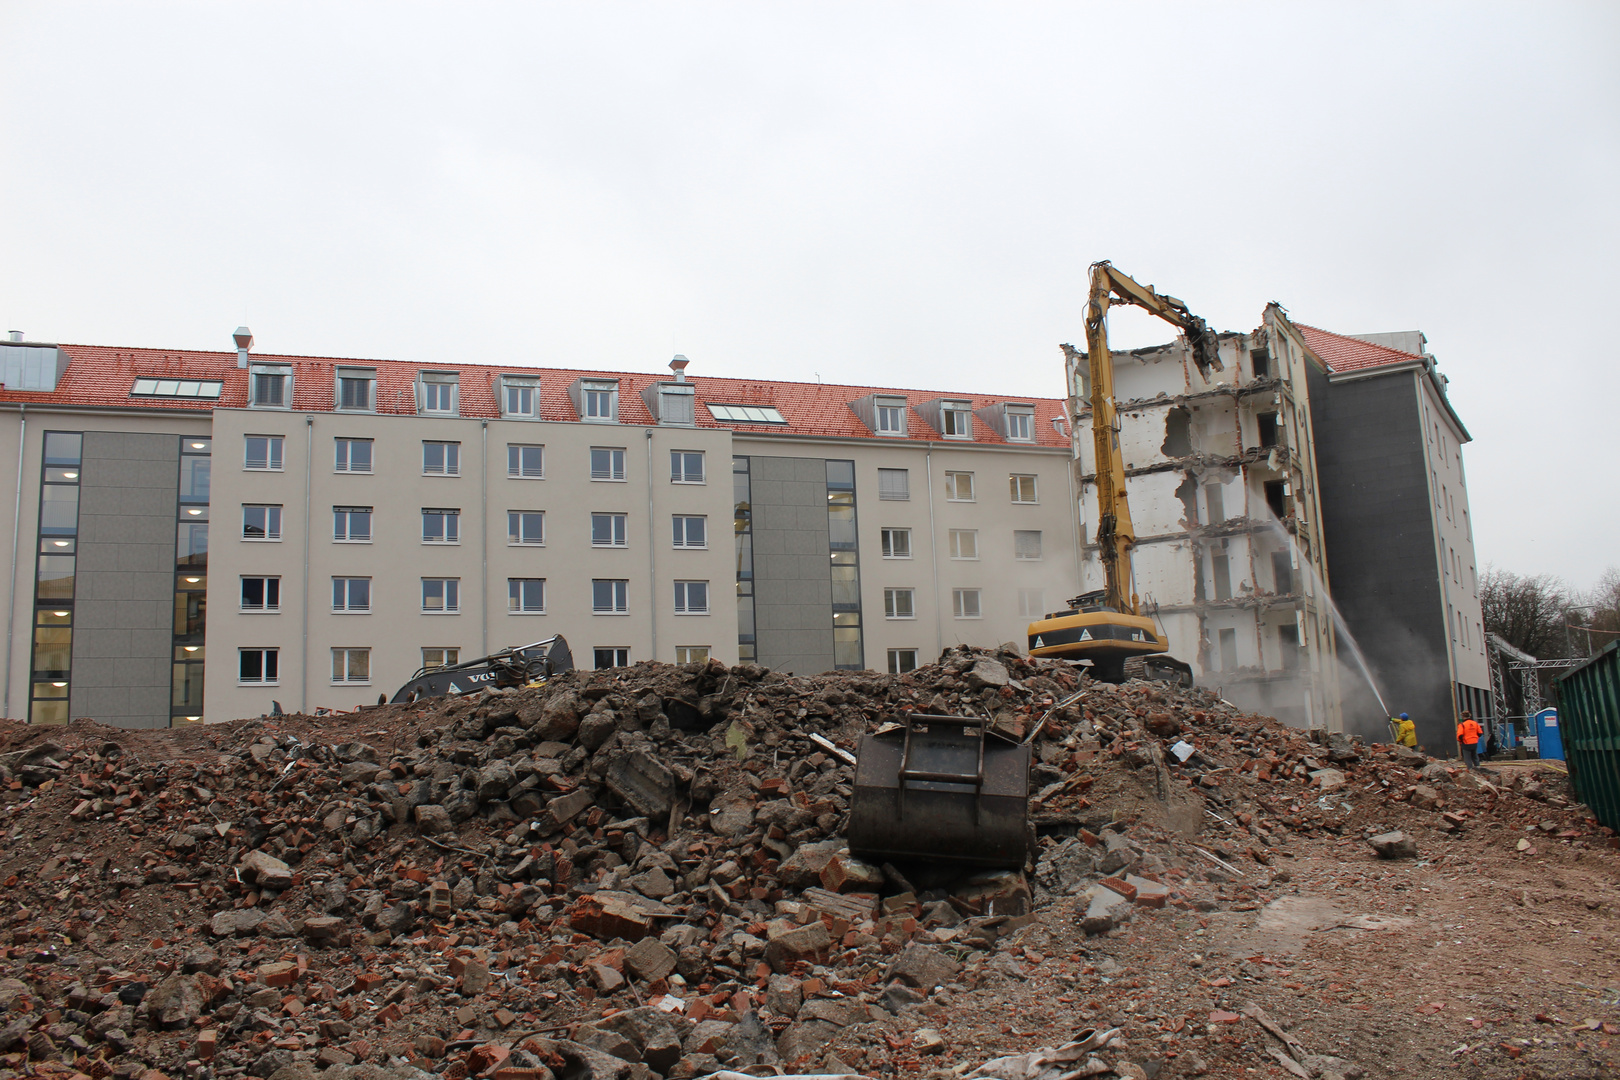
<point x="1107" y="627"/>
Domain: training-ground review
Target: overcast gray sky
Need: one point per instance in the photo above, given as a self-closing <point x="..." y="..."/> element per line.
<point x="906" y="194"/>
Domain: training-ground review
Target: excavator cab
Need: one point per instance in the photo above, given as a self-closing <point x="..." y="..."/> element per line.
<point x="1118" y="645"/>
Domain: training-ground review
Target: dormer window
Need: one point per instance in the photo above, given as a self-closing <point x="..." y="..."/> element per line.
<point x="956" y="420"/>
<point x="520" y="397"/>
<point x="270" y="386"/>
<point x="595" y="401"/>
<point x="1013" y="421"/>
<point x="671" y="403"/>
<point x="356" y="389"/>
<point x="439" y="393"/>
<point x="891" y="415"/>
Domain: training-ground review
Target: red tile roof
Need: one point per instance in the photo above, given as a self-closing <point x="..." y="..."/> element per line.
<point x="101" y="376"/>
<point x="1341" y="353"/>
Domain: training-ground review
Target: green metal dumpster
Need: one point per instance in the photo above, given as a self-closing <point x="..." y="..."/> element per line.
<point x="1589" y="706"/>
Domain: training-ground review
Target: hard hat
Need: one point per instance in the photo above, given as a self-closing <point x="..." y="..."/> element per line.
<point x="1403" y="716"/>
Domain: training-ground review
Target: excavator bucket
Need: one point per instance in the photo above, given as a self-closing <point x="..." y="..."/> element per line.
<point x="943" y="789"/>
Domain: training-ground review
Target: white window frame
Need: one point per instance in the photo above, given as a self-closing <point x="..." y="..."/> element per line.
<point x="614" y="473"/>
<point x="522" y="522"/>
<point x="897" y="661"/>
<point x="888" y="535"/>
<point x="620" y="652"/>
<point x="956" y="482"/>
<point x="1021" y="545"/>
<point x="449" y="592"/>
<point x="348" y="607"/>
<point x="619" y="596"/>
<point x="282" y="371"/>
<point x="266" y="608"/>
<point x="618" y="529"/>
<point x="691" y="654"/>
<point x="348" y="513"/>
<point x="676" y="398"/>
<point x="1020" y="423"/>
<point x="511" y="383"/>
<point x="889" y="416"/>
<point x="745" y="414"/>
<point x="176" y="388"/>
<point x="681" y="532"/>
<point x="956" y="420"/>
<point x="365" y="375"/>
<point x="964" y="545"/>
<point x="900" y="603"/>
<point x="679" y="466"/>
<point x="451" y="379"/>
<point x="343" y="455"/>
<point x="343" y="666"/>
<point x="520" y="451"/>
<point x="272" y="513"/>
<point x="515" y="605"/>
<point x="271" y="654"/>
<point x="274" y="453"/>
<point x="1016" y="486"/>
<point x="450" y="457"/>
<point x="684" y="603"/>
<point x="445" y="539"/>
<point x="960" y="605"/>
<point x="902" y="494"/>
<point x="594" y="394"/>
<point x="448" y="655"/>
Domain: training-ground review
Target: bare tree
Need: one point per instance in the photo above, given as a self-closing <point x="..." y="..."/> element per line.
<point x="1528" y="612"/>
<point x="1598" y="617"/>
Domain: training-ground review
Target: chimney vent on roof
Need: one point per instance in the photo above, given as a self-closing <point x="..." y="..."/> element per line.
<point x="678" y="366"/>
<point x="15" y="335"/>
<point x="244" y="341"/>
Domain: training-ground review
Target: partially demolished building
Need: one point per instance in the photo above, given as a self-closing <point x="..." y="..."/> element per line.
<point x="1241" y="487"/>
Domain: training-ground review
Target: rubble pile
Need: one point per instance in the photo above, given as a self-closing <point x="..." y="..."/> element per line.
<point x="633" y="873"/>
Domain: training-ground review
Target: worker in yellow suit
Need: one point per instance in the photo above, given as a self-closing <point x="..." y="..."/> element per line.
<point x="1405" y="730"/>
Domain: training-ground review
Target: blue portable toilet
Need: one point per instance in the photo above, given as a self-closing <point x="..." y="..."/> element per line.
<point x="1549" y="742"/>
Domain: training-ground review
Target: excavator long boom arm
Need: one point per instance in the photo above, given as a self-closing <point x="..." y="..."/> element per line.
<point x="1116" y="535"/>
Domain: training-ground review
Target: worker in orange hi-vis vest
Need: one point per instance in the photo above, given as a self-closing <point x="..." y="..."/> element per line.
<point x="1468" y="735"/>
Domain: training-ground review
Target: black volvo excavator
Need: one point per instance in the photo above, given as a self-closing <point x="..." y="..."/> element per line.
<point x="518" y="666"/>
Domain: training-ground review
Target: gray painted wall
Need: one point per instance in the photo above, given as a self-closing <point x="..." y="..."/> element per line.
<point x="123" y="612"/>
<point x="792" y="579"/>
<point x="1379" y="533"/>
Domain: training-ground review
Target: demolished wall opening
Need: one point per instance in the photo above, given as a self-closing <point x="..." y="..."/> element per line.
<point x="1288" y="638"/>
<point x="1282" y="572"/>
<point x="1277" y="497"/>
<point x="1260" y="361"/>
<point x="1177" y="433"/>
<point x="1223" y="577"/>
<point x="1229" y="660"/>
<point x="1267" y="423"/>
<point x="1213" y="501"/>
<point x="1188" y="494"/>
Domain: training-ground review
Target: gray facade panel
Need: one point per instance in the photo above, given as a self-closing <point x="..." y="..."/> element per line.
<point x="124" y="592"/>
<point x="792" y="582"/>
<point x="1378" y="528"/>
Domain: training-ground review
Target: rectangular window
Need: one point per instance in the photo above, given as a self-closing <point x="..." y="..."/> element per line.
<point x="609" y="530"/>
<point x="1214" y="504"/>
<point x="1260" y="361"/>
<point x="899" y="604"/>
<point x="1031" y="603"/>
<point x="441" y="596"/>
<point x="1228" y="646"/>
<point x="677" y="405"/>
<point x="261" y="522"/>
<point x="355" y="389"/>
<point x="525" y="462"/>
<point x="264" y="452"/>
<point x="902" y="661"/>
<point x="894" y="485"/>
<point x="525" y="527"/>
<point x="1267" y="424"/>
<point x="896" y="543"/>
<point x="1023" y="488"/>
<point x="1282" y="572"/>
<point x="891" y="416"/>
<point x="1288" y="640"/>
<point x="965" y="603"/>
<point x="261" y="594"/>
<point x="691" y="531"/>
<point x="441" y="526"/>
<point x="439" y="393"/>
<point x="1026" y="544"/>
<point x="959" y="486"/>
<point x="691" y="654"/>
<point x="1223" y="577"/>
<point x="607" y="463"/>
<point x="609" y="597"/>
<point x="686" y="466"/>
<point x="610" y="656"/>
<point x="352" y="594"/>
<point x="268" y="387"/>
<point x="178" y="388"/>
<point x="353" y="455"/>
<point x="258" y="666"/>
<point x="437" y="658"/>
<point x="601" y="401"/>
<point x="1020" y="424"/>
<point x="441" y="458"/>
<point x="351" y="524"/>
<point x="520" y="397"/>
<point x="746" y="414"/>
<point x="957" y="420"/>
<point x="691" y="598"/>
<point x="526" y="596"/>
<point x="351" y="666"/>
<point x="964" y="543"/>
